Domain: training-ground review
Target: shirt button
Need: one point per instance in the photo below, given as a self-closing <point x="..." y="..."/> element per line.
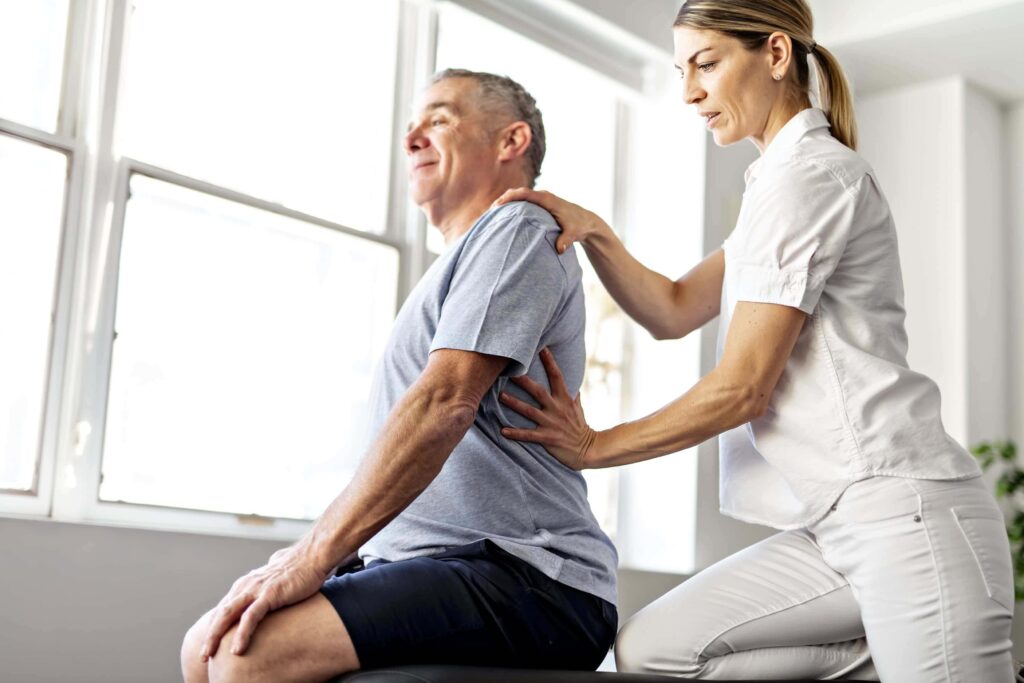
<point x="834" y="508"/>
<point x="917" y="518"/>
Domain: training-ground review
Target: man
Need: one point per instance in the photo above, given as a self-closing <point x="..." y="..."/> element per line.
<point x="479" y="549"/>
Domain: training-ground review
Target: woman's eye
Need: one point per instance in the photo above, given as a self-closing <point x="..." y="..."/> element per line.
<point x="706" y="66"/>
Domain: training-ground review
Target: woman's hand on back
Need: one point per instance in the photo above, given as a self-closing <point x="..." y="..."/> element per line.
<point x="577" y="223"/>
<point x="561" y="427"/>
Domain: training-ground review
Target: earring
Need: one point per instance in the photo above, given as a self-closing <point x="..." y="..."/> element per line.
<point x="777" y="77"/>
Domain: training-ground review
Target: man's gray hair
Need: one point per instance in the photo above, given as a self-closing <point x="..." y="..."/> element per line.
<point x="503" y="94"/>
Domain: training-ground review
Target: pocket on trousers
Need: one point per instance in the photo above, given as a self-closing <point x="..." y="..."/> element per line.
<point x="878" y="499"/>
<point x="984" y="529"/>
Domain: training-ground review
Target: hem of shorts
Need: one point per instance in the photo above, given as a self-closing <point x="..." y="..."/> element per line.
<point x="818" y="515"/>
<point x="356" y="622"/>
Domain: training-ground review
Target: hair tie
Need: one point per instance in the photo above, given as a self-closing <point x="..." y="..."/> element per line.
<point x="811" y="48"/>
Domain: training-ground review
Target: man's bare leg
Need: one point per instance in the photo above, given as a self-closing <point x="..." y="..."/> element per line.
<point x="306" y="642"/>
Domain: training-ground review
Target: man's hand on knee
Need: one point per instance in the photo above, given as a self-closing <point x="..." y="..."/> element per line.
<point x="292" y="575"/>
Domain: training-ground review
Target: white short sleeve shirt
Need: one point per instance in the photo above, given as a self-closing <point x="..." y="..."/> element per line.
<point x="815" y="233"/>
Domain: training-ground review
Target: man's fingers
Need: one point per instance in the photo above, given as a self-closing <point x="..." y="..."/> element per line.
<point x="224" y="618"/>
<point x="247" y="625"/>
<point x="524" y="409"/>
<point x="539" y="393"/>
<point x="555" y="378"/>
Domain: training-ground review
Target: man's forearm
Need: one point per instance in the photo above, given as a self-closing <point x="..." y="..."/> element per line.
<point x="409" y="452"/>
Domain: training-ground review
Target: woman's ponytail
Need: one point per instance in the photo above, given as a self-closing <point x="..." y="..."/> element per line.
<point x="836" y="97"/>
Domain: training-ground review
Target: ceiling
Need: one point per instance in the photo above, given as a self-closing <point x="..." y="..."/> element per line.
<point x="980" y="40"/>
<point x="884" y="44"/>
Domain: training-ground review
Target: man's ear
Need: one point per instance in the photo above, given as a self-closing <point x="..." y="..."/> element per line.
<point x="514" y="140"/>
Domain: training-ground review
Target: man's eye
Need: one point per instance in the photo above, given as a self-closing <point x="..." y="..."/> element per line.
<point x="437" y="122"/>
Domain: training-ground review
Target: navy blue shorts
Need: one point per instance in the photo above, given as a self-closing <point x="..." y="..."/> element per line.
<point x="471" y="605"/>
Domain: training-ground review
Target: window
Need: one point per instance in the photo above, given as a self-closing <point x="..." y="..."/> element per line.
<point x="241" y="355"/>
<point x="204" y="237"/>
<point x="32" y="180"/>
<point x="32" y="38"/>
<point x="287" y="101"/>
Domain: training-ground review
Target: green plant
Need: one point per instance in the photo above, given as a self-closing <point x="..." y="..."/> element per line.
<point x="1003" y="454"/>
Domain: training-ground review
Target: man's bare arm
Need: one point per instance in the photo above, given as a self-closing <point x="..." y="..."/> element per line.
<point x="414" y="443"/>
<point x="419" y="435"/>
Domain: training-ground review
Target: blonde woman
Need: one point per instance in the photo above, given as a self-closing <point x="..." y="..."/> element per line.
<point x="891" y="561"/>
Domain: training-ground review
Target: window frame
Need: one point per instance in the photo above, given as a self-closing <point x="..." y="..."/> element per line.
<point x="96" y="195"/>
<point x="37" y="501"/>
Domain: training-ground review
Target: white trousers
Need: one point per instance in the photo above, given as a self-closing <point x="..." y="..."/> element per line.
<point x="904" y="581"/>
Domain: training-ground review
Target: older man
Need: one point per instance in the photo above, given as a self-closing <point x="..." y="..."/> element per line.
<point x="478" y="550"/>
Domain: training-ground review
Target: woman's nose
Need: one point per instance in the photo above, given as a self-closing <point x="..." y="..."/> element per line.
<point x="693" y="93"/>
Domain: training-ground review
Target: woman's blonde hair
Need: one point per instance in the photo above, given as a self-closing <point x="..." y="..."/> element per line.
<point x="752" y="21"/>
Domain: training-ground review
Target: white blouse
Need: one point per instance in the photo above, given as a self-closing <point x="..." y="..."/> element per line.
<point x="815" y="233"/>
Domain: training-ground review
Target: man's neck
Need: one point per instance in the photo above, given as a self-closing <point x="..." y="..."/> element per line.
<point x="455" y="221"/>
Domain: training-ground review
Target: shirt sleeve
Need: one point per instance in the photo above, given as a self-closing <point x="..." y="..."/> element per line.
<point x="505" y="291"/>
<point x="797" y="222"/>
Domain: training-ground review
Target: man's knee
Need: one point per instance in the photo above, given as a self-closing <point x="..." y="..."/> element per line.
<point x="193" y="668"/>
<point x="303" y="642"/>
<point x="225" y="667"/>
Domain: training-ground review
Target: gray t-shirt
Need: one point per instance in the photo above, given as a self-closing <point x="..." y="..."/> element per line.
<point x="501" y="289"/>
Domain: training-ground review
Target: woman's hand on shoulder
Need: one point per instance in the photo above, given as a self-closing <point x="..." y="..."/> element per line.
<point x="578" y="224"/>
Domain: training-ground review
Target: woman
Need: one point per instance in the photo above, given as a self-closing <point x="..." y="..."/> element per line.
<point x="892" y="560"/>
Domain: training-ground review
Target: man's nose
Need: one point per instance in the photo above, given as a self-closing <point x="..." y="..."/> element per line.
<point x="415" y="140"/>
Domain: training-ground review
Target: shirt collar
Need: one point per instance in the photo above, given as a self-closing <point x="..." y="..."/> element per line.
<point x="790" y="134"/>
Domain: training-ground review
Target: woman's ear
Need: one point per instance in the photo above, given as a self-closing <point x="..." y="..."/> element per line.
<point x="514" y="140"/>
<point x="779" y="48"/>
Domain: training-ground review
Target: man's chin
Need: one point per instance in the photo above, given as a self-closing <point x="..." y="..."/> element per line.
<point x="420" y="198"/>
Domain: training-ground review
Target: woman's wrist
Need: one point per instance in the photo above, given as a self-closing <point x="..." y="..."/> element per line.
<point x="597" y="234"/>
<point x="594" y="456"/>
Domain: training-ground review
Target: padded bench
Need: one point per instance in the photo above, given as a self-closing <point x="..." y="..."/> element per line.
<point x="466" y="674"/>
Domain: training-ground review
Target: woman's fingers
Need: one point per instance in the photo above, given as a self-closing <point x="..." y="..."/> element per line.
<point x="531" y="435"/>
<point x="575" y="221"/>
<point x="519" y="194"/>
<point x="555" y="378"/>
<point x="539" y="393"/>
<point x="524" y="409"/>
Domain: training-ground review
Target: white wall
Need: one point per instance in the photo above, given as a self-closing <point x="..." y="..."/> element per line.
<point x="1014" y="186"/>
<point x="102" y="604"/>
<point x="911" y="137"/>
<point x="936" y="150"/>
<point x="985" y="241"/>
